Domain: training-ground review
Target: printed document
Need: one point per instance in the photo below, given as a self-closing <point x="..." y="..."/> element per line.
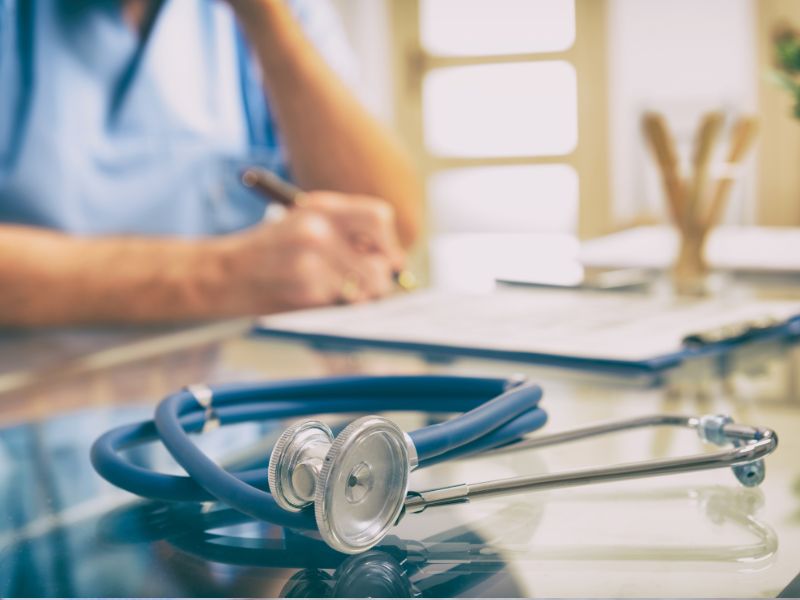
<point x="576" y="324"/>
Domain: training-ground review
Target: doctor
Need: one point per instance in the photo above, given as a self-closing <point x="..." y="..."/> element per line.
<point x="123" y="127"/>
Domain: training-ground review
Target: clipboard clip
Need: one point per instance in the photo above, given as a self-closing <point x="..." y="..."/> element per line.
<point x="734" y="332"/>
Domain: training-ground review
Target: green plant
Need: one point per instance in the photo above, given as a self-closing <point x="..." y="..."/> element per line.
<point x="787" y="59"/>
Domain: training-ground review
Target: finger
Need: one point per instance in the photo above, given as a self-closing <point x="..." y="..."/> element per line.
<point x="376" y="273"/>
<point x="371" y="273"/>
<point x="310" y="281"/>
<point x="367" y="279"/>
<point x="371" y="228"/>
<point x="369" y="223"/>
<point x="328" y="267"/>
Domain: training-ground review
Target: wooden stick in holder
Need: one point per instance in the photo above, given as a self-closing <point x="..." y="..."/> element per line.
<point x="692" y="211"/>
<point x="705" y="144"/>
<point x="743" y="138"/>
<point x="663" y="147"/>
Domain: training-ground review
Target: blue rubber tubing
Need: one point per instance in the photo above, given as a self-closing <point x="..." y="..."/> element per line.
<point x="494" y="416"/>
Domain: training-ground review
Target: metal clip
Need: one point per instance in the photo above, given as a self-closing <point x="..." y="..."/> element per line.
<point x="733" y="332"/>
<point x="205" y="397"/>
<point x="416" y="502"/>
<point x="514" y="381"/>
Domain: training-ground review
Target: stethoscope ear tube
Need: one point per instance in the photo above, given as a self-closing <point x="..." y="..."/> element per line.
<point x="143" y="482"/>
<point x="190" y="410"/>
<point x="751" y="445"/>
<point x="429" y="442"/>
<point x="506" y="435"/>
<point x="479" y="424"/>
<point x="239" y="403"/>
<point x="223" y="486"/>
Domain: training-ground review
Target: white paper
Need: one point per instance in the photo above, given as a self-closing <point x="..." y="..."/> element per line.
<point x="749" y="249"/>
<point x="605" y="326"/>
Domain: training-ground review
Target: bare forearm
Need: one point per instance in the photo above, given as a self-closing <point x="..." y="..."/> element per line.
<point x="332" y="140"/>
<point x="47" y="278"/>
<point x="299" y="261"/>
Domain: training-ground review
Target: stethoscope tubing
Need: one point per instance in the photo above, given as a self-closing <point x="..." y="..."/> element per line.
<point x="176" y="488"/>
<point x="485" y="425"/>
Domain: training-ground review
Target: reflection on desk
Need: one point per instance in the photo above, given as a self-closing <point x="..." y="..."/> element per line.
<point x="82" y="537"/>
<point x="454" y="562"/>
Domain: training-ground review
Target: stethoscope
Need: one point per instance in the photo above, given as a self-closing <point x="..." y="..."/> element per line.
<point x="353" y="488"/>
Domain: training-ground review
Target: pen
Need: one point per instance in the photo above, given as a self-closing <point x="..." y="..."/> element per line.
<point x="289" y="195"/>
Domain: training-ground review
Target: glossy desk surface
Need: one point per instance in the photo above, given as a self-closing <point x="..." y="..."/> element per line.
<point x="65" y="532"/>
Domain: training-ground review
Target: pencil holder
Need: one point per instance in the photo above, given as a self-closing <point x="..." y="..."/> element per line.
<point x="695" y="200"/>
<point x="690" y="272"/>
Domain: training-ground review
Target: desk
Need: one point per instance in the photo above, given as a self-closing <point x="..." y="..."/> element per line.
<point x="65" y="532"/>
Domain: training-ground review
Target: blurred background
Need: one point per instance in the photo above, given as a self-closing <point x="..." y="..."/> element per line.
<point x="524" y="118"/>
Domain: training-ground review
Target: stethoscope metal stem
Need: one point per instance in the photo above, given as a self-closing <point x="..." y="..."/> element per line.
<point x="590" y="431"/>
<point x="752" y="444"/>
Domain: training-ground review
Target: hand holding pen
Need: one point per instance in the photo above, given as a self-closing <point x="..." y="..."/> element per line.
<point x="365" y="223"/>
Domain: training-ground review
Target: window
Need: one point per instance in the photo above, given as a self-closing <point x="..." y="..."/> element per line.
<point x="496" y="27"/>
<point x="489" y="96"/>
<point x="512" y="109"/>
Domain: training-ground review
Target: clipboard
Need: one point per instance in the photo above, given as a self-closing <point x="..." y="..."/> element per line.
<point x="426" y="323"/>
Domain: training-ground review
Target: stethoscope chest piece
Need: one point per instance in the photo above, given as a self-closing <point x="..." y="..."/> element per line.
<point x="357" y="482"/>
<point x="295" y="462"/>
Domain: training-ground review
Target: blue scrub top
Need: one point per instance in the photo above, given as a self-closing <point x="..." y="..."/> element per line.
<point x="104" y="132"/>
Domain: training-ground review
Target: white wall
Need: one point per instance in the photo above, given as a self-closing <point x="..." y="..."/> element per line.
<point x="680" y="57"/>
<point x="368" y="28"/>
